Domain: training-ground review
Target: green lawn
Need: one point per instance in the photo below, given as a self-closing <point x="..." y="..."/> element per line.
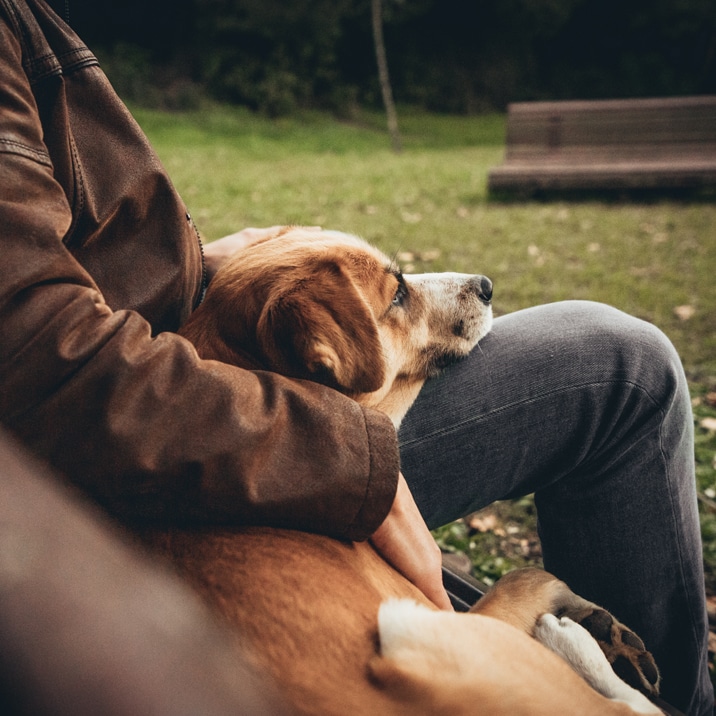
<point x="656" y="260"/>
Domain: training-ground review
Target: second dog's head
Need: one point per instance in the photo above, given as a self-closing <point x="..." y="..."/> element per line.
<point x="328" y="307"/>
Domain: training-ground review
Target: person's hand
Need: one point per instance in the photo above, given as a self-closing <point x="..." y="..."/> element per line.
<point x="406" y="543"/>
<point x="217" y="252"/>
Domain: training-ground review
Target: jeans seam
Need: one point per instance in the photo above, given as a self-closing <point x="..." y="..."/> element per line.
<point x="690" y="597"/>
<point x="541" y="396"/>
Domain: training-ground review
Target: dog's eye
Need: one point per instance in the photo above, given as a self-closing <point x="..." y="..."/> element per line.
<point x="401" y="292"/>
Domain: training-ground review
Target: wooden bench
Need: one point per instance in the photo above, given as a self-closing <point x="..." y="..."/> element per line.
<point x="622" y="145"/>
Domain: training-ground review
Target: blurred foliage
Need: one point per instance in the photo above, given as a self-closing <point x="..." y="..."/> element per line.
<point x="277" y="56"/>
<point x="496" y="540"/>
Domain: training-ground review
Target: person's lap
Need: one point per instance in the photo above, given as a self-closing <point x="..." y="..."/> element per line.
<point x="589" y="409"/>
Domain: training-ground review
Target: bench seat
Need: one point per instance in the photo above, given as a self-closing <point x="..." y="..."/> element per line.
<point x="665" y="143"/>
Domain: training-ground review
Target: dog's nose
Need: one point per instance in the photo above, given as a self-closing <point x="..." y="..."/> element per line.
<point x="482" y="286"/>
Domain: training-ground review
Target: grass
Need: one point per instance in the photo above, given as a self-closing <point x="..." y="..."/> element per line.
<point x="430" y="203"/>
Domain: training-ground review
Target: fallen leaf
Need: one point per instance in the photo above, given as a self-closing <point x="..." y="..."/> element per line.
<point x="562" y="214"/>
<point x="708" y="424"/>
<point x="410" y="217"/>
<point x="683" y="313"/>
<point x="711" y="605"/>
<point x="483" y="523"/>
<point x="429" y="255"/>
<point x="710" y="399"/>
<point x="405" y="256"/>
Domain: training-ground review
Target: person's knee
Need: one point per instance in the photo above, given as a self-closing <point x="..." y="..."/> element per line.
<point x="636" y="351"/>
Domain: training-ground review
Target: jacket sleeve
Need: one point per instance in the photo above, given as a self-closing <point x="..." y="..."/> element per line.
<point x="139" y="421"/>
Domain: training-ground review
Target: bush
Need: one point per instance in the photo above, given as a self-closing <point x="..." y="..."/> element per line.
<point x="141" y="82"/>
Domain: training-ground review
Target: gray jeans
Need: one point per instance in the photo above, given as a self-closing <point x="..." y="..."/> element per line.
<point x="589" y="409"/>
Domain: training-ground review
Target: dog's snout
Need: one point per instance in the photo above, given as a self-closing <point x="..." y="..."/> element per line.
<point x="482" y="286"/>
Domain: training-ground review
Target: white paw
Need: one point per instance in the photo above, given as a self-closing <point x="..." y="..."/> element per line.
<point x="572" y="642"/>
<point x="580" y="650"/>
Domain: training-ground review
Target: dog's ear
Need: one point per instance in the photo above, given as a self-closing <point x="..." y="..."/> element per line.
<point x="322" y="329"/>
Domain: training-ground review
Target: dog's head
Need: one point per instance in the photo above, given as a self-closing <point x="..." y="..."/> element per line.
<point x="328" y="307"/>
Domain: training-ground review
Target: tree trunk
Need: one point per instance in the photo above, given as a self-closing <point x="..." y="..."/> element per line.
<point x="387" y="92"/>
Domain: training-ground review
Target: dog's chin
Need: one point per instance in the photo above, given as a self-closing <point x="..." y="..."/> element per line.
<point x="437" y="358"/>
<point x="437" y="361"/>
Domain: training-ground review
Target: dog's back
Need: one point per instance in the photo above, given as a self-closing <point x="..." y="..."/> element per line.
<point x="305" y="606"/>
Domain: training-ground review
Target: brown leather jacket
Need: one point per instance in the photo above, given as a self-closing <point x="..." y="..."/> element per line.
<point x="99" y="263"/>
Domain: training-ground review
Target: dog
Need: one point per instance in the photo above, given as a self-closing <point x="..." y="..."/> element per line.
<point x="340" y="630"/>
<point x="269" y="309"/>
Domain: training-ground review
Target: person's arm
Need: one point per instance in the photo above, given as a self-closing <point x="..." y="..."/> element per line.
<point x="139" y="421"/>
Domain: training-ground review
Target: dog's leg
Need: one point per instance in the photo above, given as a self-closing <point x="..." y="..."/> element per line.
<point x="437" y="662"/>
<point x="577" y="647"/>
<point x="523" y="595"/>
<point x="624" y="650"/>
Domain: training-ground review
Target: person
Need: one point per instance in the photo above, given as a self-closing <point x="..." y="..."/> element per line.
<point x="577" y="402"/>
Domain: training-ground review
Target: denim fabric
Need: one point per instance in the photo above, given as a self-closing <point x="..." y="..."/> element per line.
<point x="589" y="409"/>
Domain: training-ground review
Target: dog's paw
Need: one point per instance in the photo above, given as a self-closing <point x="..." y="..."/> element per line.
<point x="576" y="646"/>
<point x="624" y="650"/>
<point x="580" y="650"/>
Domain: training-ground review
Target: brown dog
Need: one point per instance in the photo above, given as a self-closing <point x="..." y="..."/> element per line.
<point x="309" y="605"/>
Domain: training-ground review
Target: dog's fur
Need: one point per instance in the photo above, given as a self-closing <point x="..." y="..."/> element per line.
<point x="328" y="307"/>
